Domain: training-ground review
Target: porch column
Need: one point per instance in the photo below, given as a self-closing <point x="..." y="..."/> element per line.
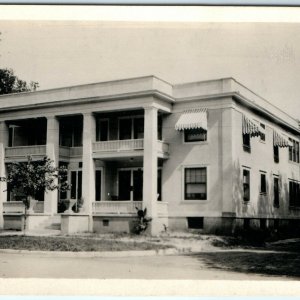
<point x="3" y="186"/>
<point x="52" y="152"/>
<point x="150" y="168"/>
<point x="88" y="166"/>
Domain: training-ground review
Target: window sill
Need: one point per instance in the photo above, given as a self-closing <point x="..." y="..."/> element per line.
<point x="247" y="149"/>
<point x="263" y="193"/>
<point x="196" y="143"/>
<point x="246" y="202"/>
<point x="193" y="201"/>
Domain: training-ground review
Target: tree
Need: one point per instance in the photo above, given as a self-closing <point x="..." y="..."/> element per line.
<point x="10" y="83"/>
<point x="31" y="177"/>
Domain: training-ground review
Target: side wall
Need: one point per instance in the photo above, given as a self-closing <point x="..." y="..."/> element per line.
<point x="215" y="154"/>
<point x="261" y="160"/>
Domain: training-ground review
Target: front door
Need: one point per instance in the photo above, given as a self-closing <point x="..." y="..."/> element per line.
<point x="124" y="184"/>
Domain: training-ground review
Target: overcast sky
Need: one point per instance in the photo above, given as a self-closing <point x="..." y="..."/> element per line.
<point x="263" y="56"/>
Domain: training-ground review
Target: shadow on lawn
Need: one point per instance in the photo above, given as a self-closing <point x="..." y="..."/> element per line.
<point x="280" y="264"/>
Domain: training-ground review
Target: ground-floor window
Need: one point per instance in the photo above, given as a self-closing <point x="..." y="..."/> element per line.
<point x="195" y="183"/>
<point x="246" y="185"/>
<point x="294" y="193"/>
<point x="276" y="191"/>
<point x="195" y="222"/>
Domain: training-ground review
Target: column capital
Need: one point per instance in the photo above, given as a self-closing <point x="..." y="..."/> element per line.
<point x="150" y="107"/>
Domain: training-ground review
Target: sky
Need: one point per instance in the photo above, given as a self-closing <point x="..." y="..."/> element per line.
<point x="265" y="57"/>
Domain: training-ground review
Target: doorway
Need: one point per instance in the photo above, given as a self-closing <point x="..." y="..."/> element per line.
<point x="130" y="184"/>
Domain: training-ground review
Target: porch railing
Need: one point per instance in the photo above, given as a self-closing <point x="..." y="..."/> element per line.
<point x="126" y="207"/>
<point x="13" y="207"/>
<point x="116" y="207"/>
<point x="162" y="209"/>
<point x="118" y="145"/>
<point x="23" y="151"/>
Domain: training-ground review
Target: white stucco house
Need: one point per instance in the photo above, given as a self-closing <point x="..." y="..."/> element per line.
<point x="209" y="156"/>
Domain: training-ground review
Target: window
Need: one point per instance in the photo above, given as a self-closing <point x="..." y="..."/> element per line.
<point x="276" y="192"/>
<point x="105" y="223"/>
<point x="195" y="184"/>
<point x="195" y="222"/>
<point x="195" y="135"/>
<point x="138" y="128"/>
<point x="246" y="185"/>
<point x="102" y="130"/>
<point x="262" y="132"/>
<point x="125" y="129"/>
<point x="131" y="128"/>
<point x="276" y="154"/>
<point x="246" y="142"/>
<point x="294" y="194"/>
<point x="64" y="178"/>
<point x="263" y="183"/>
<point x="294" y="151"/>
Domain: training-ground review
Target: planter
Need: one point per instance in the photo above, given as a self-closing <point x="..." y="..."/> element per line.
<point x="32" y="203"/>
<point x="69" y="204"/>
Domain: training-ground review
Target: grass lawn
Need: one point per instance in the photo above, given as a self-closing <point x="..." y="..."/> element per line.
<point x="283" y="264"/>
<point x="75" y="244"/>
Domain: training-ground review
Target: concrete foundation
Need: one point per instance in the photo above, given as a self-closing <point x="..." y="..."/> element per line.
<point x="110" y="224"/>
<point x="74" y="223"/>
<point x="36" y="221"/>
<point x="14" y="221"/>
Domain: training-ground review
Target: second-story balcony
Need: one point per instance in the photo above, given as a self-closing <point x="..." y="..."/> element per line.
<point x="131" y="147"/>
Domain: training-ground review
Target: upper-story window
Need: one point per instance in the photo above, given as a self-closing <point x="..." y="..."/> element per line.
<point x="263" y="183"/>
<point x="131" y="128"/>
<point x="195" y="135"/>
<point x="194" y="125"/>
<point x="279" y="141"/>
<point x="294" y="151"/>
<point x="250" y="128"/>
<point x="276" y="153"/>
<point x="262" y="132"/>
<point x="70" y="131"/>
<point x="102" y="127"/>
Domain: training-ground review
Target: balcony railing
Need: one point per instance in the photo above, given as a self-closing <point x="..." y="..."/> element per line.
<point x="24" y="151"/>
<point x="118" y="145"/>
<point x="70" y="151"/>
<point x="116" y="207"/>
<point x="127" y="145"/>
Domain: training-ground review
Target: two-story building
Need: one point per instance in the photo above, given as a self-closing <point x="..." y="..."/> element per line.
<point x="208" y="155"/>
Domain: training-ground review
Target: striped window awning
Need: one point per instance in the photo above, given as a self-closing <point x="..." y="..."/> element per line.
<point x="280" y="141"/>
<point x="192" y="119"/>
<point x="251" y="127"/>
